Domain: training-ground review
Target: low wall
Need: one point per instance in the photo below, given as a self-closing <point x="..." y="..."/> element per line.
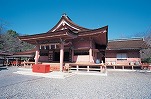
<point x="81" y="58"/>
<point x="128" y="61"/>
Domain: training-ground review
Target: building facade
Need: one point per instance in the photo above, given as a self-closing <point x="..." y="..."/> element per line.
<point x="125" y="51"/>
<point x="69" y="42"/>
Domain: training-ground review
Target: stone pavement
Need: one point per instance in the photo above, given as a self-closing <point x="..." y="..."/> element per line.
<point x="116" y="85"/>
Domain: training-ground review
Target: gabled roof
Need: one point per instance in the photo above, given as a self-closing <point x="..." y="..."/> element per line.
<point x="99" y="35"/>
<point x="4" y="53"/>
<point x="65" y="22"/>
<point x="126" y="44"/>
<point x="28" y="52"/>
<point x="66" y="29"/>
<point x="32" y="39"/>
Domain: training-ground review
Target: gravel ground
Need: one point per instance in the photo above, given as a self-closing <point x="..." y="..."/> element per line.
<point x="117" y="85"/>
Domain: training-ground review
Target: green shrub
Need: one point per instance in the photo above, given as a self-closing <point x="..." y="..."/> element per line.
<point x="146" y="60"/>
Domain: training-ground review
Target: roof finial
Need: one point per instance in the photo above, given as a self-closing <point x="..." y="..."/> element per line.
<point x="64" y="14"/>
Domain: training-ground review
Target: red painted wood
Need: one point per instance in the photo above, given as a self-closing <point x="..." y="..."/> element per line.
<point x="41" y="68"/>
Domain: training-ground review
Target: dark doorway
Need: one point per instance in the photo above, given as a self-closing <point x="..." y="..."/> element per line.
<point x="57" y="56"/>
<point x="66" y="56"/>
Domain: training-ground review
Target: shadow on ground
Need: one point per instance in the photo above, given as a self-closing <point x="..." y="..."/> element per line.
<point x="3" y="68"/>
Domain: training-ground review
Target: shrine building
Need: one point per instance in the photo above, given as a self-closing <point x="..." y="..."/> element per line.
<point x="68" y="42"/>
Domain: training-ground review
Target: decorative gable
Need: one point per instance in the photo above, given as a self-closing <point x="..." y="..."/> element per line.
<point x="66" y="23"/>
<point x="66" y="29"/>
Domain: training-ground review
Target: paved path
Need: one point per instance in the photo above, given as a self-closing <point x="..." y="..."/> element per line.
<point x="117" y="85"/>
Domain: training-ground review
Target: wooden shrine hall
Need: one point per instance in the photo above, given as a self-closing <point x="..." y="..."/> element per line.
<point x="69" y="42"/>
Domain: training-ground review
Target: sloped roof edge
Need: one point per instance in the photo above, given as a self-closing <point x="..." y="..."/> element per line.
<point x="134" y="43"/>
<point x="67" y="19"/>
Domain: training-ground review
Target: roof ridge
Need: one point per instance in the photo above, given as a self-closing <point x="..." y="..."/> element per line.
<point x="127" y="39"/>
<point x="63" y="18"/>
<point x="65" y="15"/>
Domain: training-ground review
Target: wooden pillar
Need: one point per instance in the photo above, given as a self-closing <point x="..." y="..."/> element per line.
<point x="90" y="55"/>
<point x="61" y="56"/>
<point x="132" y="67"/>
<point x="101" y="69"/>
<point x="16" y="61"/>
<point x="7" y="61"/>
<point x="37" y="54"/>
<point x="88" y="68"/>
<point x="77" y="68"/>
<point x="113" y="67"/>
<point x="122" y="67"/>
<point x="90" y="52"/>
<point x="4" y="60"/>
<point x="72" y="58"/>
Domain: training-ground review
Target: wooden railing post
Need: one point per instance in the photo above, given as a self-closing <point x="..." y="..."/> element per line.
<point x="88" y="68"/>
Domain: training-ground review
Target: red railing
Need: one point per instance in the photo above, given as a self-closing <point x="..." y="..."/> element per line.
<point x="146" y="66"/>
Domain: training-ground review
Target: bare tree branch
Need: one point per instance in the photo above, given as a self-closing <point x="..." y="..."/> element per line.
<point x="3" y="25"/>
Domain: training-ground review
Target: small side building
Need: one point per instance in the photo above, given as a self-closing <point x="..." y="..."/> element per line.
<point x="3" y="59"/>
<point x="125" y="52"/>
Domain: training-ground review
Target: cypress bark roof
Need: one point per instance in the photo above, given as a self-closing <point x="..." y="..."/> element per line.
<point x="127" y="44"/>
<point x="66" y="22"/>
<point x="66" y="29"/>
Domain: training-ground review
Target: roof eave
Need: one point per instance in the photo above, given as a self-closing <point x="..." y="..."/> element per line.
<point x="124" y="49"/>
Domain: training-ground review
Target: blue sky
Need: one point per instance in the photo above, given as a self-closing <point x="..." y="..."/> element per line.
<point x="125" y="18"/>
